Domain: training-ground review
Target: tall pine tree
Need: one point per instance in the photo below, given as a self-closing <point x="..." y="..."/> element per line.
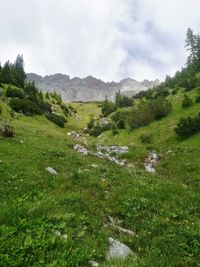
<point x="19" y="72"/>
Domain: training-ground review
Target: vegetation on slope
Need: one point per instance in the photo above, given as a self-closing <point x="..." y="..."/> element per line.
<point x="63" y="220"/>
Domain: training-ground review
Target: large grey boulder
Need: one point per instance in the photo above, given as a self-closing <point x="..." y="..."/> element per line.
<point x="118" y="250"/>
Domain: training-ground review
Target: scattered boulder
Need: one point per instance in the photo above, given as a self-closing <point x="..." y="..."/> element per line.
<point x="151" y="162"/>
<point x="118" y="250"/>
<point x="93" y="263"/>
<point x="94" y="166"/>
<point x="80" y="149"/>
<point x="114" y="149"/>
<point x="77" y="136"/>
<point x="51" y="171"/>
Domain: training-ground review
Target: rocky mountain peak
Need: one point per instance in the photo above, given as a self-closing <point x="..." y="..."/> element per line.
<point x="88" y="88"/>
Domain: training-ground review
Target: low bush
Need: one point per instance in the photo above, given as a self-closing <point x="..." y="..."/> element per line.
<point x="114" y="129"/>
<point x="24" y="106"/>
<point x="147" y="111"/>
<point x="187" y="102"/>
<point x="15" y="92"/>
<point x="174" y="91"/>
<point x="108" y="108"/>
<point x="120" y="119"/>
<point x="197" y="100"/>
<point x="57" y="119"/>
<point x="187" y="127"/>
<point x="146" y="138"/>
<point x="96" y="131"/>
<point x="65" y="109"/>
<point x="90" y="124"/>
<point x="6" y="130"/>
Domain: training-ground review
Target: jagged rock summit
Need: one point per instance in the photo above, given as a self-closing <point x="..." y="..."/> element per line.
<point x="89" y="88"/>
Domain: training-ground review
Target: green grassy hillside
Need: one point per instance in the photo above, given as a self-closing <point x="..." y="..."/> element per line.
<point x="63" y="220"/>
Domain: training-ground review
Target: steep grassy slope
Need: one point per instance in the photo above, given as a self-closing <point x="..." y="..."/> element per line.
<point x="180" y="159"/>
<point x="162" y="209"/>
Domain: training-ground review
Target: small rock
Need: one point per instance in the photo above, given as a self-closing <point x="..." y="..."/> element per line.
<point x="93" y="263"/>
<point x="149" y="168"/>
<point x="80" y="149"/>
<point x="65" y="236"/>
<point x="118" y="250"/>
<point x="94" y="165"/>
<point x="57" y="233"/>
<point x="51" y="171"/>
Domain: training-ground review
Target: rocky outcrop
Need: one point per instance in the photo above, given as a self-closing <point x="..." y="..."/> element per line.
<point x="114" y="149"/>
<point x="82" y="150"/>
<point x="89" y="88"/>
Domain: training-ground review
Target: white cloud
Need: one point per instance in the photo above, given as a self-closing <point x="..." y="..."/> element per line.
<point x="109" y="39"/>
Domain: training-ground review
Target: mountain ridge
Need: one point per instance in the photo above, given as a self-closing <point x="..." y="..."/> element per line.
<point x="88" y="88"/>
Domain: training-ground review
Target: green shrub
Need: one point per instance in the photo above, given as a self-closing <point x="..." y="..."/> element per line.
<point x="119" y="118"/>
<point x="147" y="111"/>
<point x="159" y="108"/>
<point x="65" y="109"/>
<point x="15" y="92"/>
<point x="114" y="129"/>
<point x="108" y="108"/>
<point x="197" y="100"/>
<point x="6" y="130"/>
<point x="187" y="127"/>
<point x="90" y="124"/>
<point x="123" y="101"/>
<point x="96" y="131"/>
<point x="174" y="91"/>
<point x="1" y="109"/>
<point x="24" y="106"/>
<point x="187" y="102"/>
<point x="146" y="138"/>
<point x="57" y="119"/>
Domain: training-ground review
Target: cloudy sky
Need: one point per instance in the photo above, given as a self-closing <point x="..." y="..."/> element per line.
<point x="109" y="39"/>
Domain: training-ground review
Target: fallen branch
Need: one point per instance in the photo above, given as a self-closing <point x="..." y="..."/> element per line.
<point x="121" y="229"/>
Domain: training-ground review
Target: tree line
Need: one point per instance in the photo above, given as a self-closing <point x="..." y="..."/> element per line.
<point x="13" y="73"/>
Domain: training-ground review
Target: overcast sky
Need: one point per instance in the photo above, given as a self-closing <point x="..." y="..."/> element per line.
<point x="109" y="39"/>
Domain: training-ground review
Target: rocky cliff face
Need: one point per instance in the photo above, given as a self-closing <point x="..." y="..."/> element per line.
<point x="89" y="88"/>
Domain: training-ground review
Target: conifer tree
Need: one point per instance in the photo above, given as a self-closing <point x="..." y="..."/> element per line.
<point x="19" y="72"/>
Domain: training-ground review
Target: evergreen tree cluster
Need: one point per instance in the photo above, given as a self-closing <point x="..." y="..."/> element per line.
<point x="28" y="100"/>
<point x="187" y="78"/>
<point x="108" y="107"/>
<point x="13" y="73"/>
<point x="122" y="100"/>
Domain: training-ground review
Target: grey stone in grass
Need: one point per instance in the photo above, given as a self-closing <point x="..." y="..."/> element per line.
<point x="80" y="149"/>
<point x="93" y="263"/>
<point x="118" y="250"/>
<point x="51" y="171"/>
